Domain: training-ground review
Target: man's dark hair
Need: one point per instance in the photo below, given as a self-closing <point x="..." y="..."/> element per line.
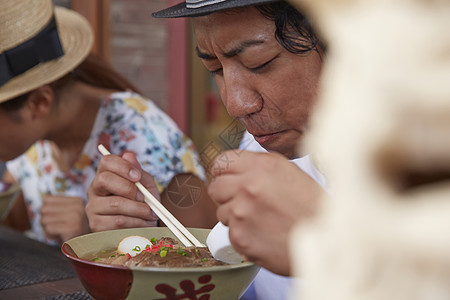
<point x="293" y="30"/>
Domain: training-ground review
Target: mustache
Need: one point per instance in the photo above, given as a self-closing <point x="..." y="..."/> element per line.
<point x="261" y="125"/>
<point x="267" y="120"/>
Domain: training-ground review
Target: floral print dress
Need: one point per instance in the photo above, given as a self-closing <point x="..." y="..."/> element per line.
<point x="125" y="122"/>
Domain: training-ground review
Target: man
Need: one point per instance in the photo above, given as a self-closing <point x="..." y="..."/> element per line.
<point x="267" y="63"/>
<point x="267" y="76"/>
<point x="266" y="60"/>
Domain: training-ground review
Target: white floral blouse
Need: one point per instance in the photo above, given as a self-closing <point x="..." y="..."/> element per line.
<point x="125" y="122"/>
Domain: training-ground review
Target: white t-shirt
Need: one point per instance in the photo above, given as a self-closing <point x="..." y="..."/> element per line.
<point x="305" y="163"/>
<point x="268" y="285"/>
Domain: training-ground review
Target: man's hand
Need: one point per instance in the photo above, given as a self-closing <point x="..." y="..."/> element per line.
<point x="261" y="196"/>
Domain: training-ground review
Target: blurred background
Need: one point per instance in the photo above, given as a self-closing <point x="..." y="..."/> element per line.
<point x="157" y="56"/>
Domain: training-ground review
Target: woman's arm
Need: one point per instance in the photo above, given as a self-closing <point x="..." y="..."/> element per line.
<point x="17" y="217"/>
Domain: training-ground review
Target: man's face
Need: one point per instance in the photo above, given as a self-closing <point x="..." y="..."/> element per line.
<point x="268" y="89"/>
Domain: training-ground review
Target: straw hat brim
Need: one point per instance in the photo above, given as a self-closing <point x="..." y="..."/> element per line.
<point x="180" y="10"/>
<point x="76" y="37"/>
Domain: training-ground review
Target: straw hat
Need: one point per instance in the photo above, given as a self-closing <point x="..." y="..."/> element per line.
<point x="30" y="50"/>
<point x="196" y="8"/>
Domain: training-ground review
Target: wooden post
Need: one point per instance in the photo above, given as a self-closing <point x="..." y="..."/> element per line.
<point x="97" y="12"/>
<point x="178" y="69"/>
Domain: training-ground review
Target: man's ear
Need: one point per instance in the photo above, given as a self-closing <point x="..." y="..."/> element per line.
<point x="40" y="101"/>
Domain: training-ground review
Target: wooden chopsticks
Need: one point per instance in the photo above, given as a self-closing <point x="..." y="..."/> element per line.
<point x="171" y="222"/>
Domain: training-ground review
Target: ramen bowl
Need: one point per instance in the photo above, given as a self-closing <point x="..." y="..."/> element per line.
<point x="104" y="281"/>
<point x="8" y="194"/>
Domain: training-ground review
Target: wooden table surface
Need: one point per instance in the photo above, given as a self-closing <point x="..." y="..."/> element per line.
<point x="33" y="270"/>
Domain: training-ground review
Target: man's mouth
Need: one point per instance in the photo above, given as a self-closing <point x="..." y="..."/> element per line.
<point x="267" y="137"/>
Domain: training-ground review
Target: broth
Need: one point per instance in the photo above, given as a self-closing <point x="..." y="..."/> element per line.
<point x="165" y="252"/>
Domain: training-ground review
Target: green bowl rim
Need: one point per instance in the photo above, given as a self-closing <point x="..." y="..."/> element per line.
<point x="159" y="269"/>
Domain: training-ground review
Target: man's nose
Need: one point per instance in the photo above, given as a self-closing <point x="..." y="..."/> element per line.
<point x="240" y="95"/>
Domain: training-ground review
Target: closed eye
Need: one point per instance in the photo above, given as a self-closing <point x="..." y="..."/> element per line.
<point x="254" y="70"/>
<point x="261" y="67"/>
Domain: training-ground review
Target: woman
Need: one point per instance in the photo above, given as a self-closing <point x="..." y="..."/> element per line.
<point x="53" y="117"/>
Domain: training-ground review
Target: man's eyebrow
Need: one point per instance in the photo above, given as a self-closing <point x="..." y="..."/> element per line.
<point x="241" y="47"/>
<point x="233" y="52"/>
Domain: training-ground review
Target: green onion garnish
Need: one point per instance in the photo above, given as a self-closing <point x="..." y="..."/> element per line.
<point x="181" y="251"/>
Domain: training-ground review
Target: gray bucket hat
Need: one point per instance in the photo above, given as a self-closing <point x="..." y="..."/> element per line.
<point x="196" y="8"/>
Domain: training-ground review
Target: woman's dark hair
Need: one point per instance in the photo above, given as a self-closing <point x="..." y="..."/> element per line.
<point x="96" y="72"/>
<point x="293" y="30"/>
<point x="15" y="103"/>
<point x="93" y="71"/>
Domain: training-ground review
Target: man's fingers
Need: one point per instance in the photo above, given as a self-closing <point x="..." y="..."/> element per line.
<point x="223" y="214"/>
<point x="225" y="163"/>
<point x="223" y="188"/>
<point x="237" y="161"/>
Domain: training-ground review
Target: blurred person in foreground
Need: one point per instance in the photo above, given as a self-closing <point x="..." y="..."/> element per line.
<point x="267" y="62"/>
<point x="57" y="103"/>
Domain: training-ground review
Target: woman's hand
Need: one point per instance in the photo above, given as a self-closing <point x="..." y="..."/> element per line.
<point x="63" y="218"/>
<point x="261" y="196"/>
<point x="114" y="201"/>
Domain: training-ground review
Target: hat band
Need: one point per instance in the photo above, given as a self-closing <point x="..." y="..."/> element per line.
<point x="201" y="3"/>
<point x="43" y="47"/>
